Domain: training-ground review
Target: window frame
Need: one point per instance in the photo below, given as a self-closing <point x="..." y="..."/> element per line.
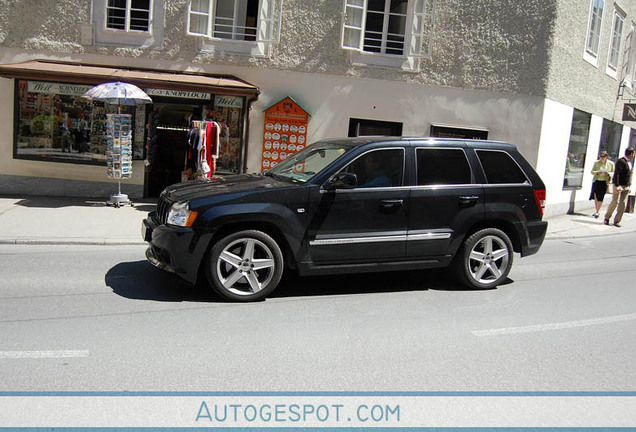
<point x="418" y="33"/>
<point x="594" y="32"/>
<point x="268" y="25"/>
<point x="581" y="122"/>
<point x="153" y="38"/>
<point x="128" y="9"/>
<point x="629" y="57"/>
<point x="615" y="45"/>
<point x="355" y="124"/>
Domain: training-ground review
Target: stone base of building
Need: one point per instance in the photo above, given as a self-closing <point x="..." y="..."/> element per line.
<point x="31" y="186"/>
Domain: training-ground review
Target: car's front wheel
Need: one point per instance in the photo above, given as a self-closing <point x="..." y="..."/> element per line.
<point x="484" y="259"/>
<point x="245" y="266"/>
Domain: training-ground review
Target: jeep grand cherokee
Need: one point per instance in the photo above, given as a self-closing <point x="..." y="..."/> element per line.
<point x="354" y="205"/>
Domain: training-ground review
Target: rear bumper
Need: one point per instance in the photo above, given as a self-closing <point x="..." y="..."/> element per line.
<point x="536" y="234"/>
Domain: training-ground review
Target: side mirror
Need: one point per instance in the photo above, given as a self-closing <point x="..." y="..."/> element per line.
<point x="343" y="180"/>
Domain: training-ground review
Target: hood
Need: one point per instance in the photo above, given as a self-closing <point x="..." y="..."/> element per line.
<point x="222" y="185"/>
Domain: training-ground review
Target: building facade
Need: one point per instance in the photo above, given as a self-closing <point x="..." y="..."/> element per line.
<point x="552" y="76"/>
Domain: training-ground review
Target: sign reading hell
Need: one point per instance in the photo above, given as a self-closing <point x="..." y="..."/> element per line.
<point x="285" y="132"/>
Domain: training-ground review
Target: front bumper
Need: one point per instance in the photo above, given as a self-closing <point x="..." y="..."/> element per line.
<point x="174" y="249"/>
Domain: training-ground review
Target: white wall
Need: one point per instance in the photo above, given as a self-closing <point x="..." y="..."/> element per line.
<point x="553" y="150"/>
<point x="332" y="101"/>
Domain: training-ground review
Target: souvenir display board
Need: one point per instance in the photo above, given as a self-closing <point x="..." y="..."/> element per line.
<point x="119" y="146"/>
<point x="285" y="132"/>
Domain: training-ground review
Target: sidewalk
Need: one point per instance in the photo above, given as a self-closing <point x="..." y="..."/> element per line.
<point x="63" y="220"/>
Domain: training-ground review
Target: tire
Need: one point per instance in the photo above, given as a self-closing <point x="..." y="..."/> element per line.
<point x="484" y="259"/>
<point x="245" y="266"/>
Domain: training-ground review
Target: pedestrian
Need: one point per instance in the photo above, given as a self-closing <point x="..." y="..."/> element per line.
<point x="622" y="181"/>
<point x="602" y="170"/>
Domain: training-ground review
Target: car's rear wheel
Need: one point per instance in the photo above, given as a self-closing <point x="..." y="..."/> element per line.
<point x="245" y="266"/>
<point x="484" y="259"/>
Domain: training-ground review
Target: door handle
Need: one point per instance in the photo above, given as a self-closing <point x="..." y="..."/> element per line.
<point x="468" y="201"/>
<point x="391" y="203"/>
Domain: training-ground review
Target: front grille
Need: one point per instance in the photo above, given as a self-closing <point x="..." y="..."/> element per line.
<point x="163" y="207"/>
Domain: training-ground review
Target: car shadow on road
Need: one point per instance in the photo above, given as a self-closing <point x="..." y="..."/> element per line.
<point x="139" y="280"/>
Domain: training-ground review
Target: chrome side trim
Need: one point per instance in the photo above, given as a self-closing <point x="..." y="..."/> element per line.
<point x="381" y="239"/>
<point x="356" y="240"/>
<point x="429" y="236"/>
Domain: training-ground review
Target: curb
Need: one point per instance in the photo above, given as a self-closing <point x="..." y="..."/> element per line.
<point x="70" y="241"/>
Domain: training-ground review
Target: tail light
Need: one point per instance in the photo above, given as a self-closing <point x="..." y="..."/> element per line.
<point x="539" y="196"/>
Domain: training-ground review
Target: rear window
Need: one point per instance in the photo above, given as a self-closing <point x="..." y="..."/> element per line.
<point x="500" y="168"/>
<point x="442" y="166"/>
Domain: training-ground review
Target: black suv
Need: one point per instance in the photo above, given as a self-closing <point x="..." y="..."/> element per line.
<point x="354" y="205"/>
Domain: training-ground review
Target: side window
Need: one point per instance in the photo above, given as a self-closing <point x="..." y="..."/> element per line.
<point x="500" y="168"/>
<point x="442" y="166"/>
<point x="379" y="168"/>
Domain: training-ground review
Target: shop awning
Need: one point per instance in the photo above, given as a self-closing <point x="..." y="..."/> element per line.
<point x="43" y="70"/>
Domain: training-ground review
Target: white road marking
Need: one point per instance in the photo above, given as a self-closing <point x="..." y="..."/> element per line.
<point x="554" y="326"/>
<point x="43" y="354"/>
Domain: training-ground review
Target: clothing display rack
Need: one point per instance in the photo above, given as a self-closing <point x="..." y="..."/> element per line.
<point x="204" y="143"/>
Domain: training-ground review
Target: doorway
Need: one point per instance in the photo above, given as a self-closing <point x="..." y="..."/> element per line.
<point x="168" y="127"/>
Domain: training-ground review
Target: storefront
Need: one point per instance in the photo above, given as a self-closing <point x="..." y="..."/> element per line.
<point x="53" y="124"/>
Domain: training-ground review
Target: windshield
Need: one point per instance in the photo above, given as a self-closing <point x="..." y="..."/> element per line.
<point x="307" y="163"/>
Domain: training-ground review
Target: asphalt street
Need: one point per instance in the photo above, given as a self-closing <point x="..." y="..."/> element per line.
<point x="89" y="317"/>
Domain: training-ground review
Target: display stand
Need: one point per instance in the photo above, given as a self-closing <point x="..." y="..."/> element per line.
<point x="119" y="154"/>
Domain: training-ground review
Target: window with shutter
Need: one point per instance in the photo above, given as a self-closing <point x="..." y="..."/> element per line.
<point x="255" y="22"/>
<point x="388" y="32"/>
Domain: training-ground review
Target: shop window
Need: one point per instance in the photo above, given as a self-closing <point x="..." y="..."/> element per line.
<point x="455" y="132"/>
<point x="594" y="31"/>
<point x="388" y="32"/>
<point x="361" y="127"/>
<point x="577" y="149"/>
<point x="136" y="23"/>
<point x="54" y="123"/>
<point x="442" y="167"/>
<point x="611" y="136"/>
<point x="615" y="44"/>
<point x="222" y="23"/>
<point x="632" y="138"/>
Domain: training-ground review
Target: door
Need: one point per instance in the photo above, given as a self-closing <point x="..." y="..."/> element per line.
<point x="444" y="202"/>
<point x="367" y="222"/>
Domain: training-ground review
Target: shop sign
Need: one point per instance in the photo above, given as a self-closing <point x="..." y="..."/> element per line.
<point x="182" y="94"/>
<point x="57" y="88"/>
<point x="284" y="132"/>
<point x="629" y="112"/>
<point x="228" y="101"/>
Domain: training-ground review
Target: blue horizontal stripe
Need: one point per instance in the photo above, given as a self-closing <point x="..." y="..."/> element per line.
<point x="325" y="393"/>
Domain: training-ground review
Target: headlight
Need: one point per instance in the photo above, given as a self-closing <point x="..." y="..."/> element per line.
<point x="181" y="215"/>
